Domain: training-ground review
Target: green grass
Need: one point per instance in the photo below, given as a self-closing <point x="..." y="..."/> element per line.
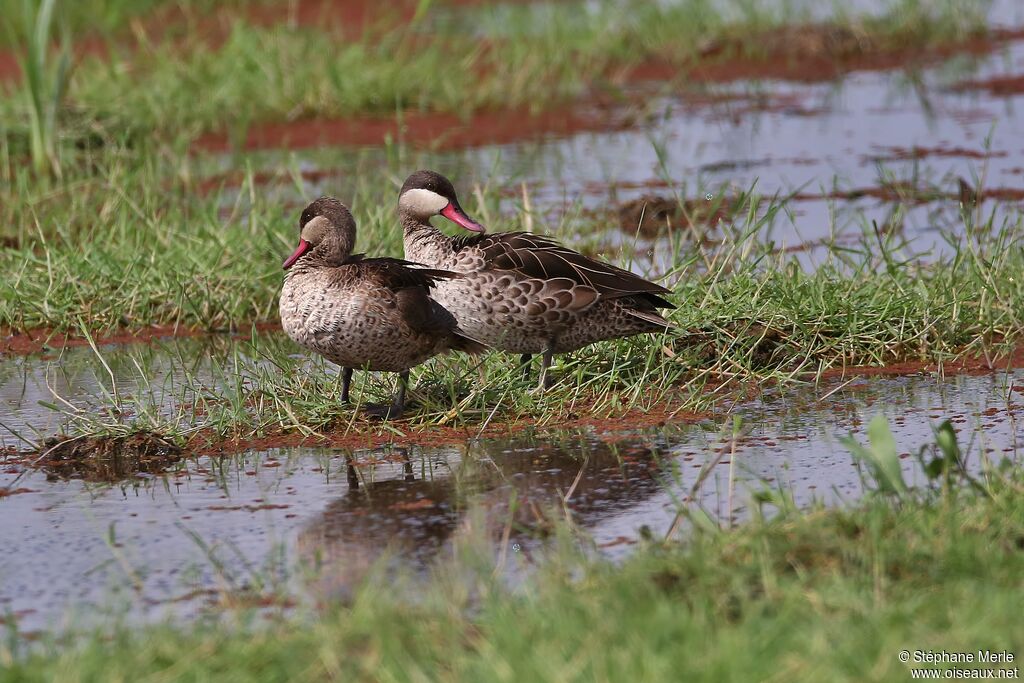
<point x="534" y="58"/>
<point x="124" y="239"/>
<point x="96" y="18"/>
<point x="127" y="238"/>
<point x="813" y="595"/>
<point x="745" y="313"/>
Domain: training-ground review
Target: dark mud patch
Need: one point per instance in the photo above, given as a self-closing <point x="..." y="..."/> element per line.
<point x="909" y="193"/>
<point x="737" y="104"/>
<point x="241" y="598"/>
<point x="247" y="508"/>
<point x="424" y="130"/>
<point x="47" y="340"/>
<point x="653" y="215"/>
<point x="368" y="435"/>
<point x="106" y="458"/>
<point x="800" y="41"/>
<point x="1000" y="86"/>
<point x="917" y="152"/>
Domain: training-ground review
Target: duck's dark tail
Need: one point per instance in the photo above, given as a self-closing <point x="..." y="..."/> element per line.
<point x="658" y="322"/>
<point x="460" y="342"/>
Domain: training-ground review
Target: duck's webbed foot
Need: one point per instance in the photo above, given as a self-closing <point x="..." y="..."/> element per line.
<point x="397" y="407"/>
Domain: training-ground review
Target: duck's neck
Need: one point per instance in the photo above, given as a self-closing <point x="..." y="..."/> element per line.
<point x="424" y="243"/>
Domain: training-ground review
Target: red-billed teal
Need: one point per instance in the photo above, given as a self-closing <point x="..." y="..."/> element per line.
<point x="520" y="292"/>
<point x="362" y="313"/>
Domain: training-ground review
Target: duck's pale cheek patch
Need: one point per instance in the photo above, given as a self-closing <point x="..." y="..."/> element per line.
<point x="423" y="202"/>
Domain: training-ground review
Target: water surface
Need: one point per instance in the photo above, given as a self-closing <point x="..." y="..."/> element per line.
<point x="310" y="522"/>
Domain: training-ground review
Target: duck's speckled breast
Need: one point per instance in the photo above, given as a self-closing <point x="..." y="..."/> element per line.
<point x="351" y="326"/>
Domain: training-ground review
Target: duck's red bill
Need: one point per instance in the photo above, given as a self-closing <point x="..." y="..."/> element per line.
<point x="455" y="214"/>
<point x="299" y="251"/>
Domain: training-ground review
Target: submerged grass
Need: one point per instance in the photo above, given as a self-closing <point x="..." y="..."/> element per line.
<point x="813" y="595"/>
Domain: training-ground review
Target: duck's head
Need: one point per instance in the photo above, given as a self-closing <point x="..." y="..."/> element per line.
<point x="427" y="193"/>
<point x="326" y="230"/>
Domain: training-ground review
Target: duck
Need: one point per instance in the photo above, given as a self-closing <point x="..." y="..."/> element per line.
<point x="363" y="313"/>
<point x="521" y="292"/>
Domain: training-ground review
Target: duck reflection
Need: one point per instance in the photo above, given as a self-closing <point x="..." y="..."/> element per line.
<point x="410" y="505"/>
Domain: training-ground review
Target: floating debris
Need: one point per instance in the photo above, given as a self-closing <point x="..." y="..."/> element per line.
<point x="107" y="458"/>
<point x="653" y="215"/>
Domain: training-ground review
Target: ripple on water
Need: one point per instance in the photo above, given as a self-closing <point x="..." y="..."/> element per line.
<point x="81" y="546"/>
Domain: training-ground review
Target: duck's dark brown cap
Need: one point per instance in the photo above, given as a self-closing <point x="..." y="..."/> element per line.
<point x="433" y="181"/>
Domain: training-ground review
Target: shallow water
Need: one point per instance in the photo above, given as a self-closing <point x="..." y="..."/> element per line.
<point x="778" y="137"/>
<point x="41" y="395"/>
<point x="784" y="138"/>
<point x="175" y="544"/>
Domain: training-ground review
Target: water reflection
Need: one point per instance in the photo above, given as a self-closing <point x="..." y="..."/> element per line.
<point x="414" y="510"/>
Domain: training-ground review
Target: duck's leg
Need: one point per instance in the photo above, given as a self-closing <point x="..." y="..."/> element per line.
<point x="399" y="405"/>
<point x="407" y="465"/>
<point x="524" y="360"/>
<point x="545" y="364"/>
<point x="346" y="383"/>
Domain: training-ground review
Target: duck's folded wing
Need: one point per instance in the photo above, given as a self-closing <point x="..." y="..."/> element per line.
<point x="399" y="274"/>
<point x="543" y="258"/>
<point x="407" y="285"/>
